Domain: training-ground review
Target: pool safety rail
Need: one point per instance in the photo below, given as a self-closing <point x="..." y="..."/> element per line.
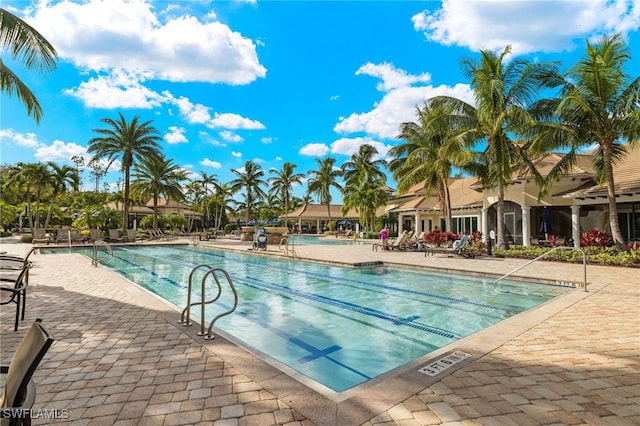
<point x="287" y="246"/>
<point x="543" y="255"/>
<point x="216" y="274"/>
<point x="107" y="253"/>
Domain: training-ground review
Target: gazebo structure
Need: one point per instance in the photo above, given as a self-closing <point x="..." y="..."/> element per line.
<point x="313" y="218"/>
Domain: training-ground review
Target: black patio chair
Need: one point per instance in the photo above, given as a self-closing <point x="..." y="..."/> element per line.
<point x="16" y="293"/>
<point x="20" y="390"/>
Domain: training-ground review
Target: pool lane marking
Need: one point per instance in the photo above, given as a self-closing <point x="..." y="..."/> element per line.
<point x="394" y="319"/>
<point x="382" y="286"/>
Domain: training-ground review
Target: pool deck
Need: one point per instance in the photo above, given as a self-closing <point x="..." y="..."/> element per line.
<point x="121" y="358"/>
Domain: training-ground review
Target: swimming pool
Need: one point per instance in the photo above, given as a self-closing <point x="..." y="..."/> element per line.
<point x="338" y="326"/>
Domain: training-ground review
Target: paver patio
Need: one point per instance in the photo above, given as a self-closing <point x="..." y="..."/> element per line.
<point x="121" y="358"/>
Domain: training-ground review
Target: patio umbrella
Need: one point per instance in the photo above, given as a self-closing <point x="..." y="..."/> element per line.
<point x="545" y="223"/>
<point x="345" y="222"/>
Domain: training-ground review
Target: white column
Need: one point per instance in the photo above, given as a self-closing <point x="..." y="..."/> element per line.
<point x="318" y="230"/>
<point x="526" y="234"/>
<point x="399" y="224"/>
<point x="417" y="220"/>
<point x="575" y="225"/>
<point x="485" y="224"/>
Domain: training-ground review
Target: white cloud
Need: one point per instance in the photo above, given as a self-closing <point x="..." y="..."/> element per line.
<point x="60" y="151"/>
<point x="209" y="163"/>
<point x="27" y="140"/>
<point x="399" y="102"/>
<point x="103" y="35"/>
<point x="230" y="136"/>
<point x="234" y="121"/>
<point x="350" y="146"/>
<point x="194" y="113"/>
<point x="529" y="26"/>
<point x="268" y="140"/>
<point x="119" y="89"/>
<point x="236" y="154"/>
<point x="175" y="135"/>
<point x="314" y="149"/>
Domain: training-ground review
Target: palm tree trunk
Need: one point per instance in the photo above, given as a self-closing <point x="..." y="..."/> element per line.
<point x="155" y="211"/>
<point x="501" y="237"/>
<point x="125" y="208"/>
<point x="618" y="239"/>
<point x="446" y="206"/>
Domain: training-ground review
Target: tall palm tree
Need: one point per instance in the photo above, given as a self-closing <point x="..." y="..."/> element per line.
<point x="250" y="179"/>
<point x="157" y="177"/>
<point x="598" y="104"/>
<point x="282" y="183"/>
<point x="128" y="141"/>
<point x="33" y="179"/>
<point x="362" y="166"/>
<point x="365" y="196"/>
<point x="429" y="153"/>
<point x="62" y="178"/>
<point x="206" y="180"/>
<point x="502" y="92"/>
<point x="223" y="198"/>
<point x="322" y="180"/>
<point x="30" y="48"/>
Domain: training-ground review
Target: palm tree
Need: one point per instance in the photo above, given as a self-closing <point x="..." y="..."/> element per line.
<point x="282" y="183"/>
<point x="502" y="93"/>
<point x="33" y="180"/>
<point x="321" y="181"/>
<point x="429" y="154"/>
<point x="157" y="177"/>
<point x="365" y="196"/>
<point x="249" y="178"/>
<point x="128" y="141"/>
<point x="206" y="180"/>
<point x="223" y="198"/>
<point x="362" y="166"/>
<point x="598" y="104"/>
<point x="30" y="48"/>
<point x="62" y="178"/>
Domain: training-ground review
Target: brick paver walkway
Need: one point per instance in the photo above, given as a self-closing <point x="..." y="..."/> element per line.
<point x="120" y="358"/>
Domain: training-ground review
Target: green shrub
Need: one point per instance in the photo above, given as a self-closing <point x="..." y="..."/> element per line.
<point x="598" y="255"/>
<point x="26" y="239"/>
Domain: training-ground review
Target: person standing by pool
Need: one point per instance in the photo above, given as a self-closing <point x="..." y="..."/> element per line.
<point x="384" y="236"/>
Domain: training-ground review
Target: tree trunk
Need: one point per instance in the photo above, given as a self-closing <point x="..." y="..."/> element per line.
<point x="501" y="237"/>
<point x="125" y="208"/>
<point x="155" y="211"/>
<point x="618" y="239"/>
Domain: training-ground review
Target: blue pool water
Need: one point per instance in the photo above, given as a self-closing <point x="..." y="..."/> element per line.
<point x="339" y="326"/>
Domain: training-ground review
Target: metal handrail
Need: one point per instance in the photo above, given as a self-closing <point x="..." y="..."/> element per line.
<point x="185" y="317"/>
<point x="287" y="246"/>
<point x="545" y="254"/>
<point x="95" y="260"/>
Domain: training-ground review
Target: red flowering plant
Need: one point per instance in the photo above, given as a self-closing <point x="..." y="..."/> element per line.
<point x="476" y="243"/>
<point x="595" y="238"/>
<point x="438" y="237"/>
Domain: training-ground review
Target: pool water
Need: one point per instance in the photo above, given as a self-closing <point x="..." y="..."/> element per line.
<point x="339" y="326"/>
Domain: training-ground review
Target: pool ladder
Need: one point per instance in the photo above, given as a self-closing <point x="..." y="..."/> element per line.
<point x="95" y="258"/>
<point x="217" y="274"/>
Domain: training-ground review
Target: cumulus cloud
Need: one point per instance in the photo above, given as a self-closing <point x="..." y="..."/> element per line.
<point x="135" y="35"/>
<point x="314" y="149"/>
<point x="175" y="135"/>
<point x="529" y="26"/>
<point x="230" y="136"/>
<point x="209" y="163"/>
<point x="60" y="151"/>
<point x="350" y="146"/>
<point x="236" y="154"/>
<point x="402" y="94"/>
<point x="234" y="121"/>
<point x="27" y="140"/>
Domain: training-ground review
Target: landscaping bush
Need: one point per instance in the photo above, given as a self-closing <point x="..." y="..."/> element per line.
<point x="595" y="238"/>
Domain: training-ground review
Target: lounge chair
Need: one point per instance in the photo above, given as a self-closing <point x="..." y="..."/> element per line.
<point x="40" y="236"/>
<point x="460" y="247"/>
<point x="17" y="293"/>
<point x="11" y="262"/>
<point x="95" y="235"/>
<point x="132" y="236"/>
<point x="399" y="243"/>
<point x="114" y="236"/>
<point x="19" y="393"/>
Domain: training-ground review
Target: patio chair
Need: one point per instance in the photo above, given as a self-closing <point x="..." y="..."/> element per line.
<point x="15" y="294"/>
<point x="132" y="236"/>
<point x="75" y="235"/>
<point x="114" y="236"/>
<point x="19" y="393"/>
<point x="11" y="262"/>
<point x="40" y="236"/>
<point x="460" y="248"/>
<point x="95" y="235"/>
<point x="400" y="243"/>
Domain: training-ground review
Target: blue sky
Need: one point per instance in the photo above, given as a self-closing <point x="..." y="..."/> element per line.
<point x="273" y="81"/>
